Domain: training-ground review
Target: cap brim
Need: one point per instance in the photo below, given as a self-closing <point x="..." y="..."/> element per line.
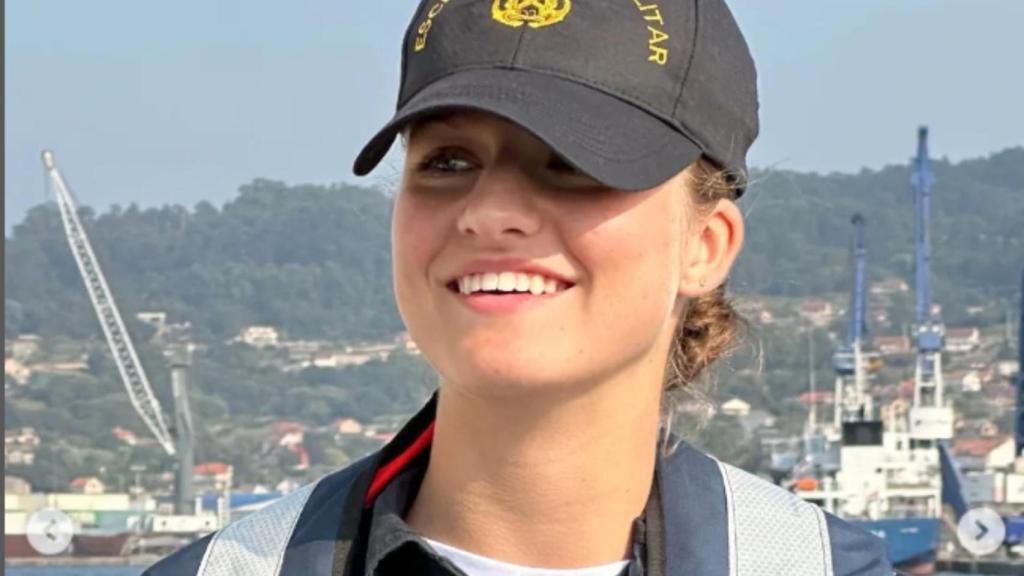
<point x="611" y="140"/>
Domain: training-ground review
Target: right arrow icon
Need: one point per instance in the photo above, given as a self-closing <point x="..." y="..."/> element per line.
<point x="981" y="531"/>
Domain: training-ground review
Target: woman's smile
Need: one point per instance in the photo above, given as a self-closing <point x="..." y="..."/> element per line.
<point x="507" y="286"/>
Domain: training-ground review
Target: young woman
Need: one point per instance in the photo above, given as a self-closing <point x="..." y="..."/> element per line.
<point x="562" y="236"/>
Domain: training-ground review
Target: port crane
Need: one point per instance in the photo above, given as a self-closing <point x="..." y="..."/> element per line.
<point x="930" y="417"/>
<point x="851" y="361"/>
<point x="179" y="443"/>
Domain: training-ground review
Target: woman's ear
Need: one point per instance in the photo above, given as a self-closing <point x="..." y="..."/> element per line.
<point x="712" y="243"/>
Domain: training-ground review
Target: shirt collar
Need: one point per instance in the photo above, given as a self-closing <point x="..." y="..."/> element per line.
<point x="397" y="480"/>
<point x="388" y="530"/>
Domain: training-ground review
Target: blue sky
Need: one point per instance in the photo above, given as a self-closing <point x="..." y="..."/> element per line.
<point x="179" y="102"/>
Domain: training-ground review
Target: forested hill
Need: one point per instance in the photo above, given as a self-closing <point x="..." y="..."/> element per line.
<point x="314" y="260"/>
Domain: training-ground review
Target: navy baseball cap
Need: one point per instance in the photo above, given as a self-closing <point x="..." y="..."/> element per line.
<point x="629" y="91"/>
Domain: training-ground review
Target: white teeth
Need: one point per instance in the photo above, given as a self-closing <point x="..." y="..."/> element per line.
<point x="507" y="281"/>
<point x="522" y="283"/>
<point x="511" y="282"/>
<point x="536" y="285"/>
<point x="489" y="282"/>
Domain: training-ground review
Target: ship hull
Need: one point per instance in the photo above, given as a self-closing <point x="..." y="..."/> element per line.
<point x="101" y="544"/>
<point x="17" y="546"/>
<point x="911" y="543"/>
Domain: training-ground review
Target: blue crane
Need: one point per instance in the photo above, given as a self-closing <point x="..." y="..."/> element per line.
<point x="858" y="323"/>
<point x="844" y="358"/>
<point x="929" y="334"/>
<point x="930" y="417"/>
<point x="853" y="363"/>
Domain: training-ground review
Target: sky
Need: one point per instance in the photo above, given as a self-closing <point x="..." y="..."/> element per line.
<point x="178" y="102"/>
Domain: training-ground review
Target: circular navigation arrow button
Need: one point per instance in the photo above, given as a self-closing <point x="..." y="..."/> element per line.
<point x="49" y="531"/>
<point x="981" y="531"/>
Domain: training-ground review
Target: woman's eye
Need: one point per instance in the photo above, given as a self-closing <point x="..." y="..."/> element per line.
<point x="447" y="162"/>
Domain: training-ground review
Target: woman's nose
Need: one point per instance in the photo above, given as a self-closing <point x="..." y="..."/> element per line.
<point x="500" y="205"/>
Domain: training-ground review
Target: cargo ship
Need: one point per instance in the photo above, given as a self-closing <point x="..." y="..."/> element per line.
<point x="880" y="488"/>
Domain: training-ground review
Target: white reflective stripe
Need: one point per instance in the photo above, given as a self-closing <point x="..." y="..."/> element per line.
<point x="826" y="542"/>
<point x="772" y="531"/>
<point x="255" y="545"/>
<point x="730" y="519"/>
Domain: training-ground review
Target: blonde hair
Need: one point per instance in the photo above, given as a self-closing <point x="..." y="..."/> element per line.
<point x="710" y="327"/>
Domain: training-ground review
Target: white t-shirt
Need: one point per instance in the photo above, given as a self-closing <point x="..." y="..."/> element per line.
<point x="476" y="565"/>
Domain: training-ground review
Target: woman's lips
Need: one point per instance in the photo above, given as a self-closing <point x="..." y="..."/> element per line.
<point x="503" y="302"/>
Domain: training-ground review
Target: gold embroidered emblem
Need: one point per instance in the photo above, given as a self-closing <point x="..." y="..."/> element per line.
<point x="535" y="13"/>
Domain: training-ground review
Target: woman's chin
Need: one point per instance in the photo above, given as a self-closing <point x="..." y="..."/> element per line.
<point x="509" y="376"/>
<point x="487" y="364"/>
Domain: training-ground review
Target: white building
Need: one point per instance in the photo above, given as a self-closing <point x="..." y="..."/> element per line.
<point x="259" y="336"/>
<point x="818" y="312"/>
<point x="960" y="340"/>
<point x="347" y="426"/>
<point x="736" y="407"/>
<point x="157" y="320"/>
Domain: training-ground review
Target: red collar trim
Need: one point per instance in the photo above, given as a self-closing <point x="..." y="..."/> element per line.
<point x="387" y="472"/>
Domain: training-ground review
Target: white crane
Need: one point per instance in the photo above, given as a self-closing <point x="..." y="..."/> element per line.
<point x="132" y="374"/>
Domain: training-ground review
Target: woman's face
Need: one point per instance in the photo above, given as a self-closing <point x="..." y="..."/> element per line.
<point x="513" y="271"/>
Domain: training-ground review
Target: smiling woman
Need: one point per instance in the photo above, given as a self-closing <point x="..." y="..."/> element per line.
<point x="561" y="240"/>
<point x="482" y="198"/>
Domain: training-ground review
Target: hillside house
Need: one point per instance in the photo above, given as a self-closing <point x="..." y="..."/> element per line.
<point x="892" y="345"/>
<point x="14" y="455"/>
<point x="984" y="453"/>
<point x="962" y="340"/>
<point x="157" y="320"/>
<point x="287" y="432"/>
<point x="212" y="476"/>
<point x="25" y="436"/>
<point x="347" y="426"/>
<point x="816" y="311"/>
<point x="258" y="336"/>
<point x="889" y="286"/>
<point x="125" y="435"/>
<point x="87" y="485"/>
<point x="1007" y="368"/>
<point x="736" y="407"/>
<point x="15" y="370"/>
<point x="346" y="359"/>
